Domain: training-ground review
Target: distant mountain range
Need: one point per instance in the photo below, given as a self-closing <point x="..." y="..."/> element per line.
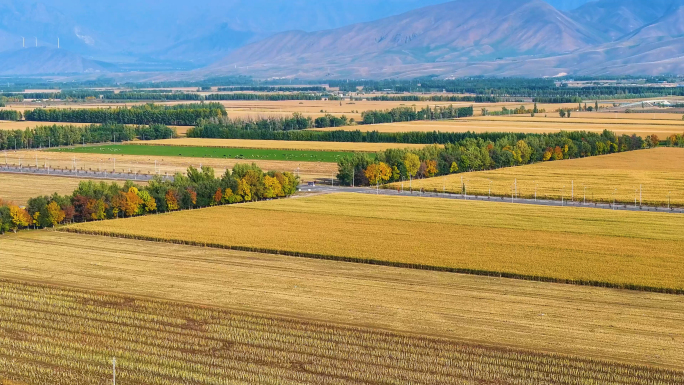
<point x="173" y="34"/>
<point x="311" y="39"/>
<point x="48" y="61"/>
<point x="468" y="38"/>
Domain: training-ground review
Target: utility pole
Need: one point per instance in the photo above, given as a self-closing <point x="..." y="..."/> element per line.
<point x="563" y="196"/>
<point x="114" y="371"/>
<point x="516" y="187"/>
<point x="465" y="192"/>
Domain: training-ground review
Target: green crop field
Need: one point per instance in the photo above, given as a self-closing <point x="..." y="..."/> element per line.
<point x="211" y="152"/>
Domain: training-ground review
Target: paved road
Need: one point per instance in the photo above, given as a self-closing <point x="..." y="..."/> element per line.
<point x="539" y="202"/>
<point x="77" y="173"/>
<point x="330" y="189"/>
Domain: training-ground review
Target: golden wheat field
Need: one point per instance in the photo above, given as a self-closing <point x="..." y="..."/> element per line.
<point x="662" y="128"/>
<point x="157" y="164"/>
<point x="626" y="326"/>
<point x="652" y="177"/>
<point x="277" y="144"/>
<point x="156" y="342"/>
<point x="22" y="125"/>
<point x="19" y="188"/>
<point x="619" y="248"/>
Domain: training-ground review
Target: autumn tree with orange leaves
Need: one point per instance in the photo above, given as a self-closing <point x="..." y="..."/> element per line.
<point x="378" y="173"/>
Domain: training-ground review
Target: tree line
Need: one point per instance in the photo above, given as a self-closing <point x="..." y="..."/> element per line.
<point x="415" y="137"/>
<point x="273" y="89"/>
<point x="177" y="115"/>
<point x="93" y="201"/>
<point x="164" y="95"/>
<point x="263" y="128"/>
<point x="434" y="98"/>
<point x="557" y="99"/>
<point x="502" y="87"/>
<point x="216" y="126"/>
<point x="10" y="115"/>
<point x="274" y="97"/>
<point x="408" y="114"/>
<point x="69" y="135"/>
<point x="482" y="153"/>
<point x="156" y="95"/>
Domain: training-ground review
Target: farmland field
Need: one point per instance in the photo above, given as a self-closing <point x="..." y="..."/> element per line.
<point x="539" y="124"/>
<point x="158" y="342"/>
<point x="655" y="176"/>
<point x="18" y="188"/>
<point x="625" y="326"/>
<point x="159" y="164"/>
<point x="210" y="152"/>
<point x="573" y="244"/>
<point x="278" y="144"/>
<point x="22" y="125"/>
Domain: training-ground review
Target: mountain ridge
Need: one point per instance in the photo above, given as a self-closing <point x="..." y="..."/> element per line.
<point x="465" y="38"/>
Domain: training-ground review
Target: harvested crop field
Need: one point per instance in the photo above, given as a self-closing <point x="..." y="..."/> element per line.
<point x="158" y="342"/>
<point x="662" y="128"/>
<point x="18" y="188"/>
<point x="22" y="125"/>
<point x="160" y="164"/>
<point x="277" y="144"/>
<point x="523" y="241"/>
<point x="625" y="326"/>
<point x="654" y="177"/>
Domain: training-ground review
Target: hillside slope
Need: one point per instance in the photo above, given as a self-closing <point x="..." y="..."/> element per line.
<point x="467" y="38"/>
<point x="45" y="61"/>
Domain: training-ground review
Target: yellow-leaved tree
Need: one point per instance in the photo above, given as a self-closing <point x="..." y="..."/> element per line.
<point x="20" y="218"/>
<point x="272" y="187"/>
<point x="133" y="202"/>
<point x="148" y="203"/>
<point x="378" y="173"/>
<point x="412" y="164"/>
<point x="454" y="167"/>
<point x="55" y="213"/>
<point x="244" y="190"/>
<point x="171" y="200"/>
<point x="431" y="168"/>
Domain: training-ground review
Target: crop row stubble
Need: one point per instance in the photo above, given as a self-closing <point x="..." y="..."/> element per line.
<point x="65" y="336"/>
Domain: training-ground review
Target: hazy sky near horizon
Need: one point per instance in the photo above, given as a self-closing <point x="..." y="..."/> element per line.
<point x="146" y="25"/>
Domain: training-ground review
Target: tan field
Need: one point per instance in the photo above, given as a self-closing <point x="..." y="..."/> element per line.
<point x="278" y="144"/>
<point x="18" y="188"/>
<point x="629" y="326"/>
<point x="641" y="127"/>
<point x="22" y="125"/>
<point x="71" y="334"/>
<point x="654" y="176"/>
<point x="157" y="164"/>
<point x="315" y="108"/>
<point x="570" y="244"/>
<point x="666" y="120"/>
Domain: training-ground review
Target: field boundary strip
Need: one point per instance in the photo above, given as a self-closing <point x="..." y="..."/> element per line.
<point x="371" y="261"/>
